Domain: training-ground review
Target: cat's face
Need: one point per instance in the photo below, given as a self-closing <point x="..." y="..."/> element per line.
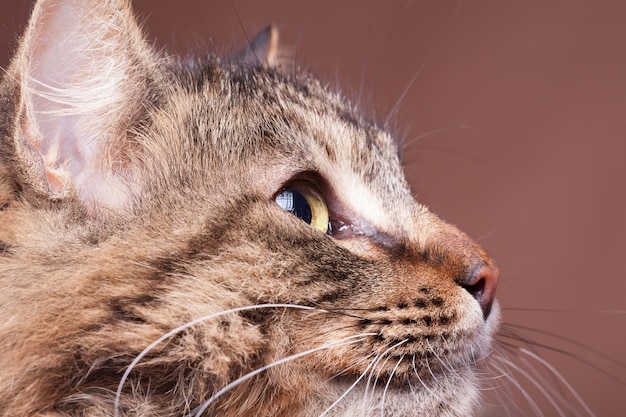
<point x="245" y="219"/>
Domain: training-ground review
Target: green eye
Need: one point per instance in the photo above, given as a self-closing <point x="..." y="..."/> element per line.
<point x="306" y="204"/>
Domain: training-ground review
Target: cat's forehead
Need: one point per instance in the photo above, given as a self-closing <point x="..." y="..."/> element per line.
<point x="280" y="125"/>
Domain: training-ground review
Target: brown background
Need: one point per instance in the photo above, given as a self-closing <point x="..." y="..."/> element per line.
<point x="514" y="130"/>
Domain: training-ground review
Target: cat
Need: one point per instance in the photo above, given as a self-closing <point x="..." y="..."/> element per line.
<point x="217" y="237"/>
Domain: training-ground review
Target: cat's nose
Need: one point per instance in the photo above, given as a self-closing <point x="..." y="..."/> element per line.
<point x="482" y="285"/>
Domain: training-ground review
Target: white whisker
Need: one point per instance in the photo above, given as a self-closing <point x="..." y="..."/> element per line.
<point x="382" y="400"/>
<point x="502" y="391"/>
<point x="346" y="341"/>
<point x="430" y="371"/>
<point x="424" y="135"/>
<point x="426" y="387"/>
<point x="377" y="361"/>
<point x="407" y="88"/>
<point x="561" y="379"/>
<point x="554" y="393"/>
<point x="532" y="404"/>
<point x="347" y="391"/>
<point x="185" y="326"/>
<point x="447" y="366"/>
<point x="355" y="364"/>
<point x="374" y="363"/>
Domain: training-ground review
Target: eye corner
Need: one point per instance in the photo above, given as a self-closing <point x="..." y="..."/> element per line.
<point x="341" y="229"/>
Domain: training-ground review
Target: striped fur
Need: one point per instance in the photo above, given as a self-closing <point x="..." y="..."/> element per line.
<point x="137" y="196"/>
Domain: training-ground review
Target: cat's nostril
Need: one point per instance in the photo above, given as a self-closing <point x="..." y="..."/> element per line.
<point x="482" y="285"/>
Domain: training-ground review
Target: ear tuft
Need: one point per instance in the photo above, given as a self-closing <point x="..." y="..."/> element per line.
<point x="81" y="82"/>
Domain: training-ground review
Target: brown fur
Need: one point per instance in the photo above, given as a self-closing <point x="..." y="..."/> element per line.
<point x="170" y="216"/>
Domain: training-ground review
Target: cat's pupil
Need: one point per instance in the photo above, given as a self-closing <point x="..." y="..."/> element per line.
<point x="294" y="202"/>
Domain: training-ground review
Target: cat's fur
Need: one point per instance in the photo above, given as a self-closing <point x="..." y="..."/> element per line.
<point x="137" y="195"/>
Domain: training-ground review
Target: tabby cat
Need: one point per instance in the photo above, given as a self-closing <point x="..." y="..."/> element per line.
<point x="216" y="237"/>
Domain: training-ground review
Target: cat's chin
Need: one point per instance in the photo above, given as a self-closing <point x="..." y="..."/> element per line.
<point x="448" y="397"/>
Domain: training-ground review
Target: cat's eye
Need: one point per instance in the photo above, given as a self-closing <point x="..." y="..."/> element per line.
<point x="304" y="202"/>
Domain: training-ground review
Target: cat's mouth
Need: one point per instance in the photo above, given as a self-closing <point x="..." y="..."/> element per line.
<point x="405" y="371"/>
<point x="404" y="354"/>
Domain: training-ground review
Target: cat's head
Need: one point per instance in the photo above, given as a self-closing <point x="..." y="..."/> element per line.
<point x="247" y="219"/>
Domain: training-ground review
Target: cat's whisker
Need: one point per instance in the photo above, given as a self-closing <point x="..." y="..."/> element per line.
<point x="513" y="348"/>
<point x="393" y="372"/>
<point x="495" y="383"/>
<point x="408" y="381"/>
<point x="537" y="380"/>
<point x="185" y="326"/>
<point x="376" y="363"/>
<point x="438" y="381"/>
<point x="564" y="381"/>
<point x="342" y="342"/>
<point x="296" y="46"/>
<point x="347" y="391"/>
<point x="501" y="391"/>
<point x="356" y="364"/>
<point x="426" y="387"/>
<point x="430" y="371"/>
<point x="384" y="50"/>
<point x="583" y="346"/>
<point x="555" y="389"/>
<point x="529" y="342"/>
<point x="461" y="155"/>
<point x="509" y="364"/>
<point x="371" y="367"/>
<point x="492" y="349"/>
<point x="243" y="30"/>
<point x="396" y="106"/>
<point x="488" y="375"/>
<point x="442" y="362"/>
<point x="547" y="389"/>
<point x="412" y="141"/>
<point x="369" y="396"/>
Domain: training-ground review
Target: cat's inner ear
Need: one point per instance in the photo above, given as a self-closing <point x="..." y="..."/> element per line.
<point x="80" y="82"/>
<point x="265" y="49"/>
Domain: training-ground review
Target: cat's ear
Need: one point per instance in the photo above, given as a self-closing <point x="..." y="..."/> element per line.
<point x="265" y="49"/>
<point x="81" y="72"/>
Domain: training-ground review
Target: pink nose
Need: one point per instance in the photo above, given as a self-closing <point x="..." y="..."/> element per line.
<point x="482" y="286"/>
